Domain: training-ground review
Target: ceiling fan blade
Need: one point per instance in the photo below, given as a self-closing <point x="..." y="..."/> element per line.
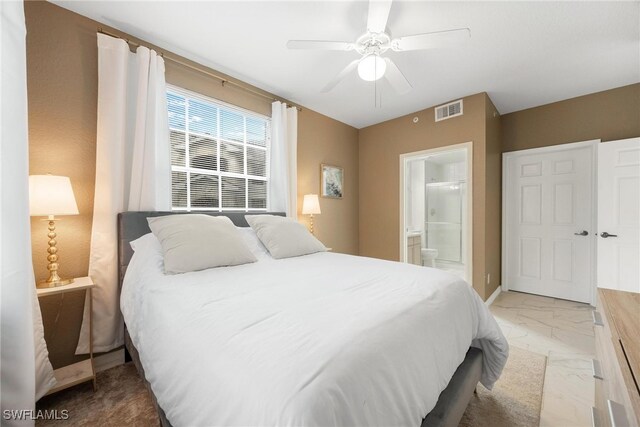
<point x="431" y="40"/>
<point x="319" y="45"/>
<point x="395" y="77"/>
<point x="378" y="15"/>
<point x="346" y="70"/>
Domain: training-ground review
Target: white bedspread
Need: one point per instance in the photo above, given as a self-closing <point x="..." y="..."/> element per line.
<point x="319" y="340"/>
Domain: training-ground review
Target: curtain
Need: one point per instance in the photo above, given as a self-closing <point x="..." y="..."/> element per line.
<point x="25" y="372"/>
<point x="283" y="176"/>
<point x="133" y="170"/>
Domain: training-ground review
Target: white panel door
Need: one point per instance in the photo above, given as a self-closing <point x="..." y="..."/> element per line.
<point x="548" y="207"/>
<point x="619" y="215"/>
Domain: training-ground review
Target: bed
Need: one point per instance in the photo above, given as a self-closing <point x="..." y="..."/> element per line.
<point x="322" y="339"/>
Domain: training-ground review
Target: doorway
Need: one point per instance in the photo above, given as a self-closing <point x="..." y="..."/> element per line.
<point x="619" y="215"/>
<point x="549" y="205"/>
<point x="436" y="209"/>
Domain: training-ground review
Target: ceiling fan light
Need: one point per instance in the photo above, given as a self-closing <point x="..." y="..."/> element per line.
<point x="371" y="68"/>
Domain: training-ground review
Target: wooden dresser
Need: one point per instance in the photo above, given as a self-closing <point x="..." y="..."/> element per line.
<point x="616" y="368"/>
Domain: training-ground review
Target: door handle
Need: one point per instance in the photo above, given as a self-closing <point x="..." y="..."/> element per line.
<point x="582" y="233"/>
<point x="604" y="235"/>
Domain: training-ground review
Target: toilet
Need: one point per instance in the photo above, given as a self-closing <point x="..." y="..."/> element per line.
<point x="429" y="257"/>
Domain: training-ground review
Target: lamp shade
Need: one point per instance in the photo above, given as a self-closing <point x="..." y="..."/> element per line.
<point x="311" y="204"/>
<point x="51" y="195"/>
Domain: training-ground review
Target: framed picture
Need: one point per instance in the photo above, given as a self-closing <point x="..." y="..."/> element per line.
<point x="331" y="181"/>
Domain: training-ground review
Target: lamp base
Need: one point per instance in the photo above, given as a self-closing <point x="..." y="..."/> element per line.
<point x="54" y="283"/>
<point x="311" y="224"/>
<point x="53" y="280"/>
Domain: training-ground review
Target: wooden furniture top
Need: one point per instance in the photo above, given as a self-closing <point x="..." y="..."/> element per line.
<point x="623" y="313"/>
<point x="78" y="284"/>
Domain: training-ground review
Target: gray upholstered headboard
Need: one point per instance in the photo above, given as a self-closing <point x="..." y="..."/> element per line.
<point x="132" y="225"/>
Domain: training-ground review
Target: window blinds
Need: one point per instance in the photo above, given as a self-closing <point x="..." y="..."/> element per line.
<point x="219" y="154"/>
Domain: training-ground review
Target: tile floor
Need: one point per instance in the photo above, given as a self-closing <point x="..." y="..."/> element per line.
<point x="563" y="331"/>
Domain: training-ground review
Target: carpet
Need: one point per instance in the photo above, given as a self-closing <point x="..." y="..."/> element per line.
<point x="122" y="399"/>
<point x="516" y="399"/>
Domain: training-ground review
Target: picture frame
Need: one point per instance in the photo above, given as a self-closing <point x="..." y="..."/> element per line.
<point x="331" y="181"/>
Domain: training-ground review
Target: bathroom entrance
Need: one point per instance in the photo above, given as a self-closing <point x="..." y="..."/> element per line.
<point x="436" y="209"/>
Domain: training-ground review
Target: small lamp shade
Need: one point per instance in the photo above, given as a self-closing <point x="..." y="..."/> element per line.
<point x="311" y="205"/>
<point x="51" y="195"/>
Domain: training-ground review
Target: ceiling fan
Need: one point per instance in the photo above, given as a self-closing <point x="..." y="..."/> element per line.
<point x="375" y="42"/>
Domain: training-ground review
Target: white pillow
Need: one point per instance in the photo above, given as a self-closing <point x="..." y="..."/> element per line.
<point x="147" y="243"/>
<point x="253" y="243"/>
<point x="195" y="242"/>
<point x="284" y="237"/>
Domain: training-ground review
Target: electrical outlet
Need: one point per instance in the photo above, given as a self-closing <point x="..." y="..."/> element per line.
<point x="488" y="278"/>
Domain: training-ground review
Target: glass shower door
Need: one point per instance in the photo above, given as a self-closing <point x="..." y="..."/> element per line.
<point x="444" y="205"/>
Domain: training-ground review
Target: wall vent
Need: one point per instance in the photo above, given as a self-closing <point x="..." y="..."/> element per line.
<point x="447" y="111"/>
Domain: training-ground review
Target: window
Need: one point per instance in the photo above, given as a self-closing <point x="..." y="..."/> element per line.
<point x="219" y="154"/>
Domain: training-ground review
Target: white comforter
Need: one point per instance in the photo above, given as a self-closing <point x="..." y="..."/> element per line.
<point x="319" y="340"/>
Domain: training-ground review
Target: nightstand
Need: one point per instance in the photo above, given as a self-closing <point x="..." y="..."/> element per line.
<point x="84" y="370"/>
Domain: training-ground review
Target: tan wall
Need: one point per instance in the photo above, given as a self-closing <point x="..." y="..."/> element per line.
<point x="62" y="78"/>
<point x="493" y="194"/>
<point x="62" y="93"/>
<point x="380" y="149"/>
<point x="609" y="115"/>
<point x="330" y="142"/>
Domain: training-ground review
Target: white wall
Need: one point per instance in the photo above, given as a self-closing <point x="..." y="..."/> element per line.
<point x="416" y="196"/>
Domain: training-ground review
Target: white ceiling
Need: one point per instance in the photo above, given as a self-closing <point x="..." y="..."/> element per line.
<point x="523" y="54"/>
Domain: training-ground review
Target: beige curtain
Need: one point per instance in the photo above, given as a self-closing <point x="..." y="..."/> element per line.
<point x="283" y="172"/>
<point x="133" y="170"/>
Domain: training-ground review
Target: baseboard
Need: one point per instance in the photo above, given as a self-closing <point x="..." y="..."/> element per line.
<point x="493" y="296"/>
<point x="108" y="360"/>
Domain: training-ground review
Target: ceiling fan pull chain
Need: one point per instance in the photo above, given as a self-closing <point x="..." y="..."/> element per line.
<point x="375" y="94"/>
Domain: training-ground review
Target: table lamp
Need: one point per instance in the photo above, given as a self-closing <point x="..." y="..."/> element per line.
<point x="51" y="195"/>
<point x="311" y="206"/>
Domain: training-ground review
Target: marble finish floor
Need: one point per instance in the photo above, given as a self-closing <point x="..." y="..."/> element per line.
<point x="562" y="331"/>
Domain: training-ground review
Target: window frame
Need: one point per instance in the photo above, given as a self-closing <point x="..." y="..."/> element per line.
<point x="188" y="94"/>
